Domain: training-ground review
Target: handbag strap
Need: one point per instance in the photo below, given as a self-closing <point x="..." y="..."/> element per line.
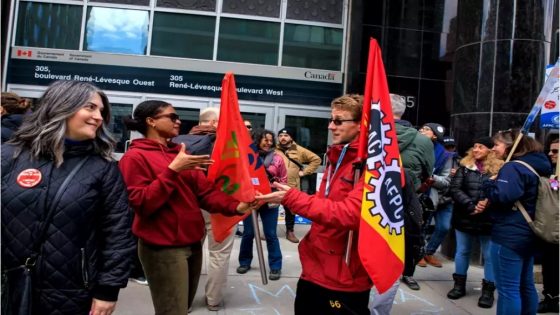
<point x="521" y="208"/>
<point x="30" y="261"/>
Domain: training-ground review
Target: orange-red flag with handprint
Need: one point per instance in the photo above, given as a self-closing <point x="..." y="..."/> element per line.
<point x="237" y="170"/>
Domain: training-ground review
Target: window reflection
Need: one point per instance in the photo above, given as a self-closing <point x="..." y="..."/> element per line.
<point x="183" y="35"/>
<point x="49" y="25"/>
<point x="117" y="30"/>
<point x="117" y="127"/>
<point x="312" y="47"/>
<point x="248" y="41"/>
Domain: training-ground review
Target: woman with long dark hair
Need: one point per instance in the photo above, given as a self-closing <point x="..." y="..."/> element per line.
<point x="513" y="241"/>
<point x="167" y="189"/>
<point x="276" y="170"/>
<point x="84" y="256"/>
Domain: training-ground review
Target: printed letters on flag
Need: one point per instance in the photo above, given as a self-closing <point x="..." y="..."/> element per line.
<point x="381" y="235"/>
<point x="237" y="170"/>
<point x="549" y="100"/>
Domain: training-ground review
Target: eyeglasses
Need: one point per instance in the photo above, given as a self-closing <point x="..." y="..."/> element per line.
<point x="172" y="116"/>
<point x="338" y="122"/>
<point x="249" y="127"/>
<point x="554" y="151"/>
<point x="426" y="128"/>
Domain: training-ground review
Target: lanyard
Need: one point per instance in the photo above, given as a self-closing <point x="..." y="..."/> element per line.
<point x="329" y="177"/>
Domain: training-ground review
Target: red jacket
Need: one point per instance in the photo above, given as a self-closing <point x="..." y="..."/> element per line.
<point x="167" y="204"/>
<point x="322" y="250"/>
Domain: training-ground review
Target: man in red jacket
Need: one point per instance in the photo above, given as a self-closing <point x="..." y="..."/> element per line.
<point x="327" y="284"/>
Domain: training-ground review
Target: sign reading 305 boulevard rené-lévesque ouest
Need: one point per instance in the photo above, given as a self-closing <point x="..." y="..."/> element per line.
<point x="176" y="76"/>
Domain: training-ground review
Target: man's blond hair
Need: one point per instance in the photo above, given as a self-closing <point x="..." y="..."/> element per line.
<point x="352" y="103"/>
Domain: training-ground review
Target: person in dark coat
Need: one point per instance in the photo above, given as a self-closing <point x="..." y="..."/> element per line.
<point x="513" y="241"/>
<point x="12" y="109"/>
<point x="480" y="163"/>
<point x="85" y="258"/>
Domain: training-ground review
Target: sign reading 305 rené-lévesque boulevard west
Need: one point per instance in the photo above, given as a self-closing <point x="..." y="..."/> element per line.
<point x="147" y="74"/>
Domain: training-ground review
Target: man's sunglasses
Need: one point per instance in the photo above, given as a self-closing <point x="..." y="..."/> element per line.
<point x="173" y="117"/>
<point x="249" y="127"/>
<point x="555" y="151"/>
<point x="338" y="122"/>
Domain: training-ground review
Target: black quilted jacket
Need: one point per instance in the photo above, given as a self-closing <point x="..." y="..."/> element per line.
<point x="466" y="190"/>
<point x="88" y="244"/>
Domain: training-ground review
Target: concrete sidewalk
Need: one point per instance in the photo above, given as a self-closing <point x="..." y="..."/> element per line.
<point x="245" y="294"/>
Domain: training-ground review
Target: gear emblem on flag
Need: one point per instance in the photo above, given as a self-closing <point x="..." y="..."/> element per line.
<point x="385" y="178"/>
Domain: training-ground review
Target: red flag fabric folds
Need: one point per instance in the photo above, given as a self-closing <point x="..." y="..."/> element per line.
<point x="237" y="170"/>
<point x="381" y="240"/>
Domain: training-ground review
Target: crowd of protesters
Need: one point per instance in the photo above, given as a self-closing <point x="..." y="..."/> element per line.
<point x="75" y="220"/>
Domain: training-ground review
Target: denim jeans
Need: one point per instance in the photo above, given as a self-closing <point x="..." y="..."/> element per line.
<point x="514" y="280"/>
<point x="269" y="218"/>
<point x="463" y="253"/>
<point x="382" y="304"/>
<point x="443" y="223"/>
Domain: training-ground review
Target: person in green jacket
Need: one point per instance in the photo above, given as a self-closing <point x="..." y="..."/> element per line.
<point x="417" y="155"/>
<point x="417" y="151"/>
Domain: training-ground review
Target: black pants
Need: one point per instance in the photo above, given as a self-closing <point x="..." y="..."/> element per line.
<point x="314" y="299"/>
<point x="410" y="258"/>
<point x="550" y="269"/>
<point x="290" y="219"/>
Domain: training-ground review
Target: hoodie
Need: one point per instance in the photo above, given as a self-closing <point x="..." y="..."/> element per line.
<point x="167" y="203"/>
<point x="515" y="182"/>
<point x="417" y="154"/>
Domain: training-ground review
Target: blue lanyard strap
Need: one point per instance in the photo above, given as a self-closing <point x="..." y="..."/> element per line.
<point x="329" y="177"/>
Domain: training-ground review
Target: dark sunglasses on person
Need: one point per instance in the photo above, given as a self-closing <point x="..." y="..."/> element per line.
<point x="172" y="116"/>
<point x="249" y="127"/>
<point x="338" y="122"/>
<point x="555" y="151"/>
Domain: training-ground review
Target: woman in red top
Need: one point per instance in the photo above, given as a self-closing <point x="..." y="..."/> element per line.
<point x="167" y="188"/>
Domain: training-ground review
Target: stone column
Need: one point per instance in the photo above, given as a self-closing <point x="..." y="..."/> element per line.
<point x="502" y="49"/>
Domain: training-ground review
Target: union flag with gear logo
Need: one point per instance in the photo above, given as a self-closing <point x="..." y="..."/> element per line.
<point x="381" y="237"/>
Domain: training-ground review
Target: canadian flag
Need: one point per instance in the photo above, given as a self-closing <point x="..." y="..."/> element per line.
<point x="26" y="53"/>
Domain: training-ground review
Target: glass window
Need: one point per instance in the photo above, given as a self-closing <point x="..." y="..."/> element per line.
<point x="248" y="41"/>
<point x="116" y="30"/>
<point x="200" y="5"/>
<point x="314" y="47"/>
<point x="132" y="2"/>
<point x="117" y="127"/>
<point x="258" y="120"/>
<point x="189" y="118"/>
<point x="182" y="35"/>
<point x="49" y="25"/>
<point x="313" y="136"/>
<point x="270" y="8"/>
<point x="328" y="11"/>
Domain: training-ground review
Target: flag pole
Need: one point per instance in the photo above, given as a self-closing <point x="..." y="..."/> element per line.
<point x="515" y="144"/>
<point x="260" y="253"/>
<point x="357" y="174"/>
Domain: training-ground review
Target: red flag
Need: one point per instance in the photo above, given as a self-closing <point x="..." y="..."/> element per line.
<point x="237" y="170"/>
<point x="381" y="240"/>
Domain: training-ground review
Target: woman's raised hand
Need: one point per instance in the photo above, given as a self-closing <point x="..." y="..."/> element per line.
<point x="184" y="161"/>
